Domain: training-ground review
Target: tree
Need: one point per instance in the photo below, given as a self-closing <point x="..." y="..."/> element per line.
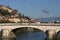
<point x="4" y="12"/>
<point x="20" y="15"/>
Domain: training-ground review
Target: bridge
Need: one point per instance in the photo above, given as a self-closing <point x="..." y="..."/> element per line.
<point x="49" y="28"/>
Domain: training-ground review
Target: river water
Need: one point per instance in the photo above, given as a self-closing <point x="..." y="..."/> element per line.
<point x="29" y="36"/>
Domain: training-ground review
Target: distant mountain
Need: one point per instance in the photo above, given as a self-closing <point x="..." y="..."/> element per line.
<point x="49" y="19"/>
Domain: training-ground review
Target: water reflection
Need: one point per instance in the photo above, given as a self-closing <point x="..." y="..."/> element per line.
<point x="8" y="39"/>
<point x="59" y="35"/>
<point x="30" y="36"/>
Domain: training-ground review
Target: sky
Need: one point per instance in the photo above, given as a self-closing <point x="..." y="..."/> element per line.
<point x="35" y="8"/>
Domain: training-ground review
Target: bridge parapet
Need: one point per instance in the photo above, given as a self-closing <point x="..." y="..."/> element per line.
<point x="32" y="24"/>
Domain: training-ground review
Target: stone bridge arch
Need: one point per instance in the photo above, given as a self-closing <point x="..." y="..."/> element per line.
<point x="25" y="27"/>
<point x="11" y="31"/>
<point x="7" y="32"/>
<point x="16" y="29"/>
<point x="30" y="27"/>
<point x="39" y="28"/>
<point x="51" y="31"/>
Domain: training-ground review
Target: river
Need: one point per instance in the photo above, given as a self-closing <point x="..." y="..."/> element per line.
<point x="29" y="36"/>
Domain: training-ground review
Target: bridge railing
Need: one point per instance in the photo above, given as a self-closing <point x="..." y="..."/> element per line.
<point x="11" y="24"/>
<point x="33" y="24"/>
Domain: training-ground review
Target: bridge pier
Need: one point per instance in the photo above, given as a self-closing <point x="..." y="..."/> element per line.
<point x="7" y="34"/>
<point x="51" y="35"/>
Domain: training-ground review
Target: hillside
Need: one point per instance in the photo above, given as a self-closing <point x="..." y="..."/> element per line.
<point x="9" y="15"/>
